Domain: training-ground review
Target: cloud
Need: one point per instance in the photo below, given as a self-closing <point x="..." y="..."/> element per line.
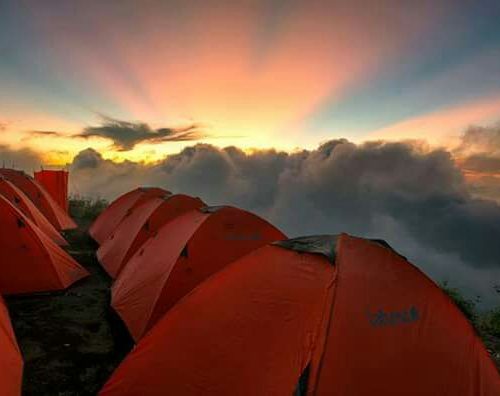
<point x="482" y="163"/>
<point x="45" y="134"/>
<point x="126" y="135"/>
<point x="478" y="155"/>
<point x="24" y="159"/>
<point x="482" y="139"/>
<point x="416" y="199"/>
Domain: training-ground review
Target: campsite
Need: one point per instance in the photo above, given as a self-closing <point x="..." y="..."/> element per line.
<point x="249" y="198"/>
<point x="76" y="337"/>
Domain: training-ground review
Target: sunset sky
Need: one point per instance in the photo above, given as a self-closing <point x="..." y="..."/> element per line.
<point x="253" y="74"/>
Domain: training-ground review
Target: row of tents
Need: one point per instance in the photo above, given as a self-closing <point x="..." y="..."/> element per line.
<point x="33" y="213"/>
<point x="221" y="302"/>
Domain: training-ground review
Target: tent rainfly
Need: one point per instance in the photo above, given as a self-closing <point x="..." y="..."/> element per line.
<point x="186" y="251"/>
<point x="40" y="197"/>
<point x="30" y="261"/>
<point x="56" y="184"/>
<point x="16" y="197"/>
<point x="138" y="225"/>
<point x="108" y="220"/>
<point x="319" y="316"/>
<point x="11" y="362"/>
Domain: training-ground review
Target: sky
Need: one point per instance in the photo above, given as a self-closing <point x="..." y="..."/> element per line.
<point x="253" y="74"/>
<point x="377" y="118"/>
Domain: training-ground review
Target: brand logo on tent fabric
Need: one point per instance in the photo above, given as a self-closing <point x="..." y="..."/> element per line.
<point x="382" y="318"/>
<point x="244" y="237"/>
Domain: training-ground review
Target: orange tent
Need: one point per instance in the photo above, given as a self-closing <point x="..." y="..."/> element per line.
<point x="106" y="223"/>
<point x="24" y="204"/>
<point x="40" y="197"/>
<point x="11" y="362"/>
<point x="185" y="251"/>
<point x="30" y="261"/>
<point x="140" y="224"/>
<point x="56" y="184"/>
<point x="321" y="315"/>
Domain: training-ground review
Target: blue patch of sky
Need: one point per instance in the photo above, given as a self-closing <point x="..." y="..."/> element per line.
<point x="422" y="80"/>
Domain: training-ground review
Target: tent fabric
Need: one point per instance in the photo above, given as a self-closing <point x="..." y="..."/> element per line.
<point x="364" y="323"/>
<point x="29" y="260"/>
<point x="16" y="197"/>
<point x="141" y="223"/>
<point x="11" y="362"/>
<point x="184" y="252"/>
<point x="41" y="198"/>
<point x="56" y="184"/>
<point x="109" y="219"/>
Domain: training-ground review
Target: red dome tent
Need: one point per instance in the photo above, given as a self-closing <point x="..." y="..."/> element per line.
<point x="11" y="362"/>
<point x="106" y="223"/>
<point x="40" y="197"/>
<point x="185" y="251"/>
<point x="30" y="261"/>
<point x="337" y="315"/>
<point x="16" y="197"/>
<point x="139" y="224"/>
<point x="56" y="184"/>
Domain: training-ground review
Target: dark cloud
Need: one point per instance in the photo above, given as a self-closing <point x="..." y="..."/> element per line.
<point x="483" y="163"/>
<point x="126" y="135"/>
<point x="417" y="200"/>
<point x="480" y="139"/>
<point x="23" y="159"/>
<point x="45" y="133"/>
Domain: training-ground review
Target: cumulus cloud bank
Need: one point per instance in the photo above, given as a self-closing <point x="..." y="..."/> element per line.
<point x="417" y="200"/>
<point x="22" y="159"/>
<point x="126" y="135"/>
<point x="479" y="156"/>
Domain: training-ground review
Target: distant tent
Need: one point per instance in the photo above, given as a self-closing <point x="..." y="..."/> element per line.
<point x="11" y="362"/>
<point x="29" y="260"/>
<point x="16" y="197"/>
<point x="185" y="252"/>
<point x="337" y="315"/>
<point x="40" y="197"/>
<point x="138" y="225"/>
<point x="106" y="223"/>
<point x="56" y="184"/>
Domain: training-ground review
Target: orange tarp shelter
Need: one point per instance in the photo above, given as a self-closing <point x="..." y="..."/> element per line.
<point x="40" y="197"/>
<point x="185" y="252"/>
<point x="321" y="316"/>
<point x="16" y="197"/>
<point x="138" y="225"/>
<point x="29" y="260"/>
<point x="109" y="219"/>
<point x="56" y="184"/>
<point x="11" y="362"/>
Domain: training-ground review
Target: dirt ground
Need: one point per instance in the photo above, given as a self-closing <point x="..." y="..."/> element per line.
<point x="71" y="341"/>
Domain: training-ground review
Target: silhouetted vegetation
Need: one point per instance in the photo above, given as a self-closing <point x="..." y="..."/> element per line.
<point x="86" y="209"/>
<point x="487" y="323"/>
